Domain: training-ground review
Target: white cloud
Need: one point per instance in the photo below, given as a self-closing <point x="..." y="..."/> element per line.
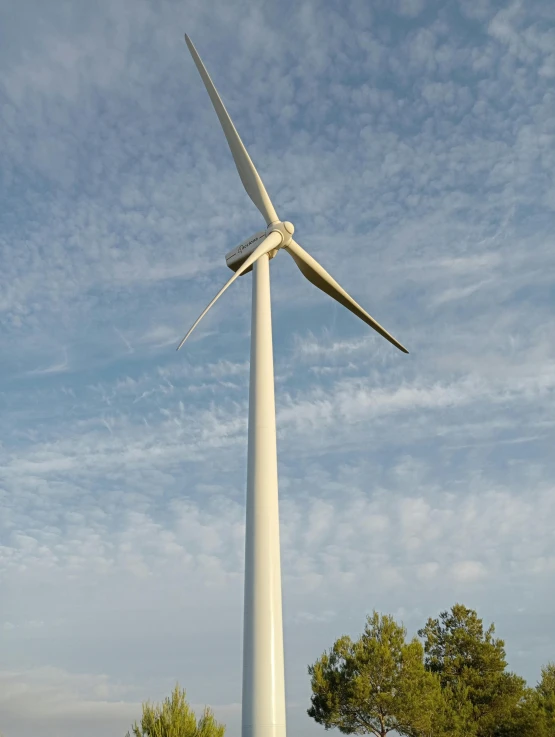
<point x="56" y="701"/>
<point x="469" y="571"/>
<point x="56" y="368"/>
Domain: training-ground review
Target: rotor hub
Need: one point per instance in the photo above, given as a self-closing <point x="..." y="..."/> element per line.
<point x="285" y="229"/>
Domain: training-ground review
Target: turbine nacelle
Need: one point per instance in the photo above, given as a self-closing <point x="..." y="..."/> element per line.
<point x="237" y="257"/>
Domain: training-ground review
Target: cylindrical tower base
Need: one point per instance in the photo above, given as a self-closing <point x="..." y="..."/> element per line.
<point x="263" y="671"/>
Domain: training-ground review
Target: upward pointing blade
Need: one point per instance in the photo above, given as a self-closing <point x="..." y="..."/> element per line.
<point x="267" y="245"/>
<point x="249" y="176"/>
<point x="321" y="279"/>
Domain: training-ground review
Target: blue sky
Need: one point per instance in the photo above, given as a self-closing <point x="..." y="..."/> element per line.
<point x="411" y="143"/>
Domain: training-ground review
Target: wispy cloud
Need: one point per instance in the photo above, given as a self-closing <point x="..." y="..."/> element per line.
<point x="55" y="368"/>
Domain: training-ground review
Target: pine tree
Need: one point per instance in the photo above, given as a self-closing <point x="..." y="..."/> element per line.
<point x="471" y="665"/>
<point x="175" y="718"/>
<point x="377" y="685"/>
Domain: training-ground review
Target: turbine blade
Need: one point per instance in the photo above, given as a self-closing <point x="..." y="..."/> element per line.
<point x="249" y="176"/>
<point x="316" y="274"/>
<point x="267" y="245"/>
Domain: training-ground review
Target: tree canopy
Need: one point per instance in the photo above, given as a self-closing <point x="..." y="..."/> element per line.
<point x="376" y="685"/>
<point x="471" y="665"/>
<point x="546" y="697"/>
<point x="175" y="718"/>
<point x="455" y="683"/>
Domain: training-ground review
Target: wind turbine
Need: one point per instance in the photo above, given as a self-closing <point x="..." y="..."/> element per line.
<point x="263" y="712"/>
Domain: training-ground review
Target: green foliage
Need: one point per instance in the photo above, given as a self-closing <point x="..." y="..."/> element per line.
<point x="175" y="718"/>
<point x="546" y="697"/>
<point x="546" y="686"/>
<point x="470" y="663"/>
<point x="526" y="719"/>
<point x="377" y="684"/>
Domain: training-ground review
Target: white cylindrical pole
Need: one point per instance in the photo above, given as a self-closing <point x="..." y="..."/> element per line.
<point x="263" y="671"/>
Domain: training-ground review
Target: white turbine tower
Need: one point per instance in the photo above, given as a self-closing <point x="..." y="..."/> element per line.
<point x="263" y="713"/>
